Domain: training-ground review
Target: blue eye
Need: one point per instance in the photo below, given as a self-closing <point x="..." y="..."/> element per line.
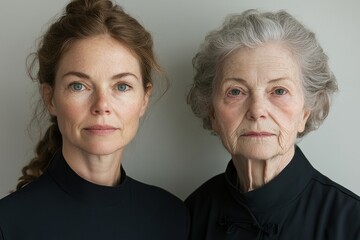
<point x="122" y="87"/>
<point x="280" y="91"/>
<point x="234" y="92"/>
<point x="76" y="86"/>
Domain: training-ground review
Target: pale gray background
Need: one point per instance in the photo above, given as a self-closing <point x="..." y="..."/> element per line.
<point x="171" y="149"/>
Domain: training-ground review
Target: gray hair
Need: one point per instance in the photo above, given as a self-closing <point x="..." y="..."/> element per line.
<point x="250" y="30"/>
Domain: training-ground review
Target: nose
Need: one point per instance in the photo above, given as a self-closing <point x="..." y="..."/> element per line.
<point x="257" y="108"/>
<point x="101" y="103"/>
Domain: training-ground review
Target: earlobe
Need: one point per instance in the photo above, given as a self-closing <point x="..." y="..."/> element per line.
<point x="47" y="96"/>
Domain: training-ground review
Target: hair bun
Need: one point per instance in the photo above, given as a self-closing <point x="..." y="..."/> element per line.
<point x="88" y="7"/>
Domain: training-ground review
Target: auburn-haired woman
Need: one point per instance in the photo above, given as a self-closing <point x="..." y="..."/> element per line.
<point x="95" y="66"/>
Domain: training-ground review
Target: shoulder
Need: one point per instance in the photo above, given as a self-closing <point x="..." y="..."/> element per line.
<point x="151" y="192"/>
<point x="162" y="206"/>
<point x="154" y="196"/>
<point x="26" y="201"/>
<point x="334" y="205"/>
<point x="332" y="189"/>
<point x="324" y="192"/>
<point x="208" y="191"/>
<point x="28" y="194"/>
<point x="335" y="197"/>
<point x="204" y="205"/>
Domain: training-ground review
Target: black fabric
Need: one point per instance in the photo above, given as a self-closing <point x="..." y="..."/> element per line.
<point x="61" y="205"/>
<point x="300" y="203"/>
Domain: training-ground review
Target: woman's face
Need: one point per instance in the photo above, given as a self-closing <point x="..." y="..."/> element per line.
<point x="98" y="96"/>
<point x="258" y="102"/>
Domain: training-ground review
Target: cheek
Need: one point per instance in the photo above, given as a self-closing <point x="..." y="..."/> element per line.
<point x="290" y="119"/>
<point x="130" y="110"/>
<point x="227" y="119"/>
<point x="69" y="112"/>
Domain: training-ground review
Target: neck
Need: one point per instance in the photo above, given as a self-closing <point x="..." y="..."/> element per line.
<point x="99" y="169"/>
<point x="253" y="174"/>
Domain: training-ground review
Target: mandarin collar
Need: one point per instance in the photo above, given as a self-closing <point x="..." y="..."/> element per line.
<point x="82" y="190"/>
<point x="285" y="187"/>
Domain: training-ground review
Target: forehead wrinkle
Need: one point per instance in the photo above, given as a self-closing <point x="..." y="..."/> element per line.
<point x="257" y="67"/>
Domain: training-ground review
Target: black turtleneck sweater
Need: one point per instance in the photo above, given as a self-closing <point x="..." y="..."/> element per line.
<point x="300" y="203"/>
<point x="61" y="205"/>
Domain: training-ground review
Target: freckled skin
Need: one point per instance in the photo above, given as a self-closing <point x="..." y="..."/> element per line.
<point x="258" y="110"/>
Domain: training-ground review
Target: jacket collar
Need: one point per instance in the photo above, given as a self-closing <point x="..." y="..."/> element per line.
<point x="285" y="187"/>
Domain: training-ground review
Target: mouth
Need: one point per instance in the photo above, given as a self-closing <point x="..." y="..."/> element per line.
<point x="258" y="134"/>
<point x="100" y="129"/>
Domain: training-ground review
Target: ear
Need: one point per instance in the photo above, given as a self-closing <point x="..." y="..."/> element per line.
<point x="305" y="117"/>
<point x="148" y="91"/>
<point x="47" y="95"/>
<point x="214" y="123"/>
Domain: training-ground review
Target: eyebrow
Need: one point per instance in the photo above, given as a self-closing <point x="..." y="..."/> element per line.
<point x="244" y="81"/>
<point x="235" y="79"/>
<point x="85" y="76"/>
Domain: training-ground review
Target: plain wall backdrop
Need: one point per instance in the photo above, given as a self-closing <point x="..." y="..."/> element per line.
<point x="171" y="149"/>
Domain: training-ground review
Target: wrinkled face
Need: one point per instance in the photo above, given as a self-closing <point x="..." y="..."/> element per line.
<point x="258" y="102"/>
<point x="98" y="96"/>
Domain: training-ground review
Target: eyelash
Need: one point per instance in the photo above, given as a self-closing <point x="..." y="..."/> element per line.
<point x="285" y="91"/>
<point x="238" y="91"/>
<point x="72" y="85"/>
<point x="123" y="84"/>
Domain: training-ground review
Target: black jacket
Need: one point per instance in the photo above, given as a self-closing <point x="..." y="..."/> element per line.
<point x="300" y="203"/>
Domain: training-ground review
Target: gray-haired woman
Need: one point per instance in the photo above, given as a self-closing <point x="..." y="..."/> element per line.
<point x="261" y="82"/>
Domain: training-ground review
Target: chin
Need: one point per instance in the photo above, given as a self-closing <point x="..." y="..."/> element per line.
<point x="258" y="152"/>
<point x="103" y="150"/>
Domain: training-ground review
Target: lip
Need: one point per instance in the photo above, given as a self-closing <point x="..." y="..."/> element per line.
<point x="258" y="134"/>
<point x="99" y="129"/>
